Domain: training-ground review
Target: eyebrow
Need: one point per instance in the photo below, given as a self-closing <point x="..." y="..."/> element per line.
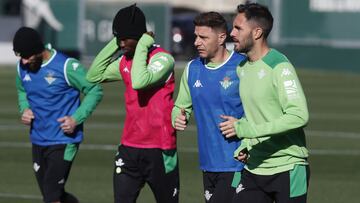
<point x="237" y="27"/>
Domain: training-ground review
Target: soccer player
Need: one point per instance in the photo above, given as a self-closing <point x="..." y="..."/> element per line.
<point x="147" y="153"/>
<point x="49" y="85"/>
<point x="273" y="140"/>
<point x="209" y="86"/>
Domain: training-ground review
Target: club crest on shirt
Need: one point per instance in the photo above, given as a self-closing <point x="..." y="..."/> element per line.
<point x="226" y="82"/>
<point x="50" y="77"/>
<point x="261" y="73"/>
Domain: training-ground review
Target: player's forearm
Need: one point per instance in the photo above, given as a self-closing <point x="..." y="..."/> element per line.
<point x="103" y="68"/>
<point x="247" y="129"/>
<point x="22" y="99"/>
<point x="156" y="72"/>
<point x="183" y="100"/>
<point x="244" y="146"/>
<point x="91" y="100"/>
<point x="176" y="111"/>
<point x="93" y="92"/>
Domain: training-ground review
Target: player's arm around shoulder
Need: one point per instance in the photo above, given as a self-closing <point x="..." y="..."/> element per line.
<point x="105" y="68"/>
<point x="157" y="71"/>
<point x="76" y="74"/>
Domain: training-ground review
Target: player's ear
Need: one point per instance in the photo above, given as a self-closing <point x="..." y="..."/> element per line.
<point x="222" y="38"/>
<point x="257" y="33"/>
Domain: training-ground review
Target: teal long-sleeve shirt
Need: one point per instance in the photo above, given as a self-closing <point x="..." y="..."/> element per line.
<point x="93" y="92"/>
<point x="275" y="114"/>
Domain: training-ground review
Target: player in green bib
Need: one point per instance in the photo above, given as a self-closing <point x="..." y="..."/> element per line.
<point x="273" y="140"/>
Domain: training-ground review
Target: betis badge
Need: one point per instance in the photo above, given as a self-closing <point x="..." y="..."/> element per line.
<point x="226" y="82"/>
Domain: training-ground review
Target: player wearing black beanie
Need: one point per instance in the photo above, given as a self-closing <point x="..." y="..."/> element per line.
<point x="129" y="23"/>
<point x="49" y="85"/>
<point x="147" y="153"/>
<point x="27" y="42"/>
<point x="28" y="45"/>
<point x="128" y="26"/>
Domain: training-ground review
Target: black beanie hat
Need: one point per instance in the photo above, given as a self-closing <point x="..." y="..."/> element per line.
<point x="129" y="23"/>
<point x="27" y="42"/>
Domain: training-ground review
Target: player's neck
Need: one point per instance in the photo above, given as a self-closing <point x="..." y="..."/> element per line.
<point x="221" y="55"/>
<point x="258" y="51"/>
<point x="46" y="54"/>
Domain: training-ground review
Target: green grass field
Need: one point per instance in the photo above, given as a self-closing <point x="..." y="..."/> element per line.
<point x="333" y="137"/>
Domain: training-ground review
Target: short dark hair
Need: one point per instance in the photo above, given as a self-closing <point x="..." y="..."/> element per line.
<point x="211" y="19"/>
<point x="258" y="13"/>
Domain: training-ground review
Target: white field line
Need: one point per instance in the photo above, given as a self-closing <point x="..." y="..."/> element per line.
<point x="335" y="117"/>
<point x="20" y="196"/>
<point x="192" y="128"/>
<point x="332" y="134"/>
<point x="105" y="147"/>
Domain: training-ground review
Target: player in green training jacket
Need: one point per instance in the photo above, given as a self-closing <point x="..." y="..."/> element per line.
<point x="273" y="140"/>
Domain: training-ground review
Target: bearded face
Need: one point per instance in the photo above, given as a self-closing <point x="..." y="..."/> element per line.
<point x="242" y="34"/>
<point x="33" y="63"/>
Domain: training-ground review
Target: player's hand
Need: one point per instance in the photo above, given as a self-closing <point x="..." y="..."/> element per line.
<point x="243" y="156"/>
<point x="227" y="127"/>
<point x="68" y="124"/>
<point x="151" y="33"/>
<point x="180" y="121"/>
<point x="27" y="116"/>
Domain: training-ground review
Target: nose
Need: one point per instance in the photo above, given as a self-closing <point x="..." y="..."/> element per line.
<point x="196" y="42"/>
<point x="122" y="43"/>
<point x="232" y="34"/>
<point x="25" y="61"/>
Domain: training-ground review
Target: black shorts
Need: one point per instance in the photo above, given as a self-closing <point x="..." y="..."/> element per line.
<point x="134" y="167"/>
<point x="52" y="165"/>
<point x="286" y="187"/>
<point x="219" y="187"/>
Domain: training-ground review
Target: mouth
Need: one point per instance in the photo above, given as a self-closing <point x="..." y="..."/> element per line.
<point x="125" y="51"/>
<point x="235" y="40"/>
<point x="200" y="50"/>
